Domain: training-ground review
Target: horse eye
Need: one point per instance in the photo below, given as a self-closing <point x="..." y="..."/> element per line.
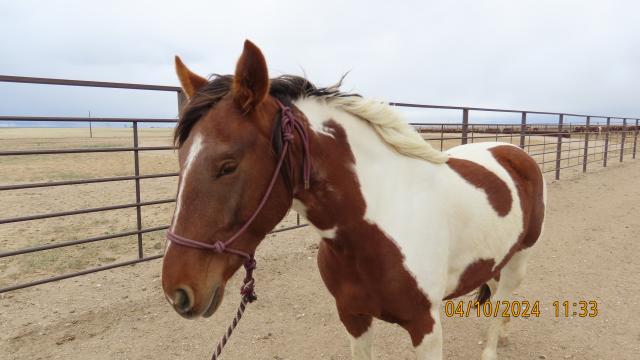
<point x="226" y="169"/>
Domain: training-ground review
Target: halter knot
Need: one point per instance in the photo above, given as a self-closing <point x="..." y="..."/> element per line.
<point x="250" y="264"/>
<point x="248" y="292"/>
<point x="219" y="247"/>
<point x="287" y="136"/>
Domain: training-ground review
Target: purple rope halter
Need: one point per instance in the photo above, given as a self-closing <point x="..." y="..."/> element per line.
<point x="288" y="124"/>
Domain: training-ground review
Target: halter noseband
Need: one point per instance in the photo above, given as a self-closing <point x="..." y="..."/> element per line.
<point x="288" y="123"/>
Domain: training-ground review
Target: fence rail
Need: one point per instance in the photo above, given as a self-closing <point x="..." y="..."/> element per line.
<point x="555" y="146"/>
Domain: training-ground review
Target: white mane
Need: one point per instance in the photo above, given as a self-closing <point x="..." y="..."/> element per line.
<point x="391" y="127"/>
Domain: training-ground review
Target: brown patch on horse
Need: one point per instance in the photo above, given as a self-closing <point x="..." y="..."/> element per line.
<point x="526" y="174"/>
<point x="361" y="266"/>
<point x="189" y="81"/>
<point x="497" y="191"/>
<point x="473" y="276"/>
<point x="251" y="80"/>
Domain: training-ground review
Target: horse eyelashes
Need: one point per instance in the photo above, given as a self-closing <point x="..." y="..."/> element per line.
<point x="226" y="169"/>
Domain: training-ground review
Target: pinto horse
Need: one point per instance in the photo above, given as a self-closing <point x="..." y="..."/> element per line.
<point x="403" y="225"/>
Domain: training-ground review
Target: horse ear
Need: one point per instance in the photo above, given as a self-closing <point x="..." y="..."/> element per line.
<point x="251" y="81"/>
<point x="189" y="81"/>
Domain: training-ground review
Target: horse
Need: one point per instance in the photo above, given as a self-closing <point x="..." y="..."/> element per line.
<point x="403" y="226"/>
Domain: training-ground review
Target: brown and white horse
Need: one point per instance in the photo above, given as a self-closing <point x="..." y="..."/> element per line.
<point x="403" y="225"/>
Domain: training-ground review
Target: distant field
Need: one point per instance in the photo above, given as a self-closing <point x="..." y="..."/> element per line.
<point x="542" y="148"/>
<point x="80" y="133"/>
<point x="45" y="168"/>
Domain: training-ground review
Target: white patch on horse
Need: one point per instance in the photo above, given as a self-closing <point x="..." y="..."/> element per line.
<point x="328" y="131"/>
<point x="301" y="209"/>
<point x="194" y="151"/>
<point x="324" y="130"/>
<point x="362" y="346"/>
<point x="440" y="222"/>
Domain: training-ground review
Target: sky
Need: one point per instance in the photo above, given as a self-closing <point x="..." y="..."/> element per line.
<point x="565" y="56"/>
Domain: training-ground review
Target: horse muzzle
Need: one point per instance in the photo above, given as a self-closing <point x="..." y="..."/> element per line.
<point x="185" y="303"/>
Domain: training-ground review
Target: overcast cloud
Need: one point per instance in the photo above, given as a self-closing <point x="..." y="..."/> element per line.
<point x="572" y="56"/>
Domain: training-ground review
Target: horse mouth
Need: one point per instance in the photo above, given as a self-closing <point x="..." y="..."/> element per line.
<point x="216" y="299"/>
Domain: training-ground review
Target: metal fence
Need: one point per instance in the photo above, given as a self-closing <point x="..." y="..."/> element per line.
<point x="556" y="146"/>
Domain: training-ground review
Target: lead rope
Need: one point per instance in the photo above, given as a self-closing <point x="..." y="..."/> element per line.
<point x="248" y="296"/>
<point x="289" y="123"/>
<point x="227" y="335"/>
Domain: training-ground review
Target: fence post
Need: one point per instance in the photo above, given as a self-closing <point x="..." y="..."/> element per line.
<point x="90" y="126"/>
<point x="136" y="166"/>
<point x="181" y="100"/>
<point x="465" y="125"/>
<point x="622" y="138"/>
<point x="635" y="140"/>
<point x="523" y="125"/>
<point x="559" y="146"/>
<point x="606" y="143"/>
<point x="585" y="156"/>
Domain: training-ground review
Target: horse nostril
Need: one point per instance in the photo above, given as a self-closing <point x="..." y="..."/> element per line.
<point x="182" y="301"/>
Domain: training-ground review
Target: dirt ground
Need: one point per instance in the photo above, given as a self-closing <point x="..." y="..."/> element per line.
<point x="588" y="252"/>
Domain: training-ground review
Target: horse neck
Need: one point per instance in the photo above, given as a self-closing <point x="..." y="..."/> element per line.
<point x="355" y="174"/>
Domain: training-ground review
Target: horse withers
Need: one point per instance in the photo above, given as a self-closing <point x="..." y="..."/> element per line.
<point x="403" y="225"/>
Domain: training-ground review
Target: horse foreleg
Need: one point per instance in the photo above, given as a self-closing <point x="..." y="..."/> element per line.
<point x="360" y="329"/>
<point x="427" y="340"/>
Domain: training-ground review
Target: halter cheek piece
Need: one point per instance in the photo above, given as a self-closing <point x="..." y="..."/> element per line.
<point x="288" y="122"/>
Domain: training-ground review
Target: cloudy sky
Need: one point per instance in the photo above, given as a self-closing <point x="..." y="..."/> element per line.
<point x="571" y="56"/>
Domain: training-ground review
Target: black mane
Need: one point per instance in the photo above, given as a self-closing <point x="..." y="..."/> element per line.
<point x="286" y="88"/>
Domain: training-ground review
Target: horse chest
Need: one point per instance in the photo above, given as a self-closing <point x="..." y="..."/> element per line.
<point x="371" y="280"/>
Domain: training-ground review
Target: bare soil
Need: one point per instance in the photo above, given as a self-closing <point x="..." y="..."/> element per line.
<point x="588" y="252"/>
